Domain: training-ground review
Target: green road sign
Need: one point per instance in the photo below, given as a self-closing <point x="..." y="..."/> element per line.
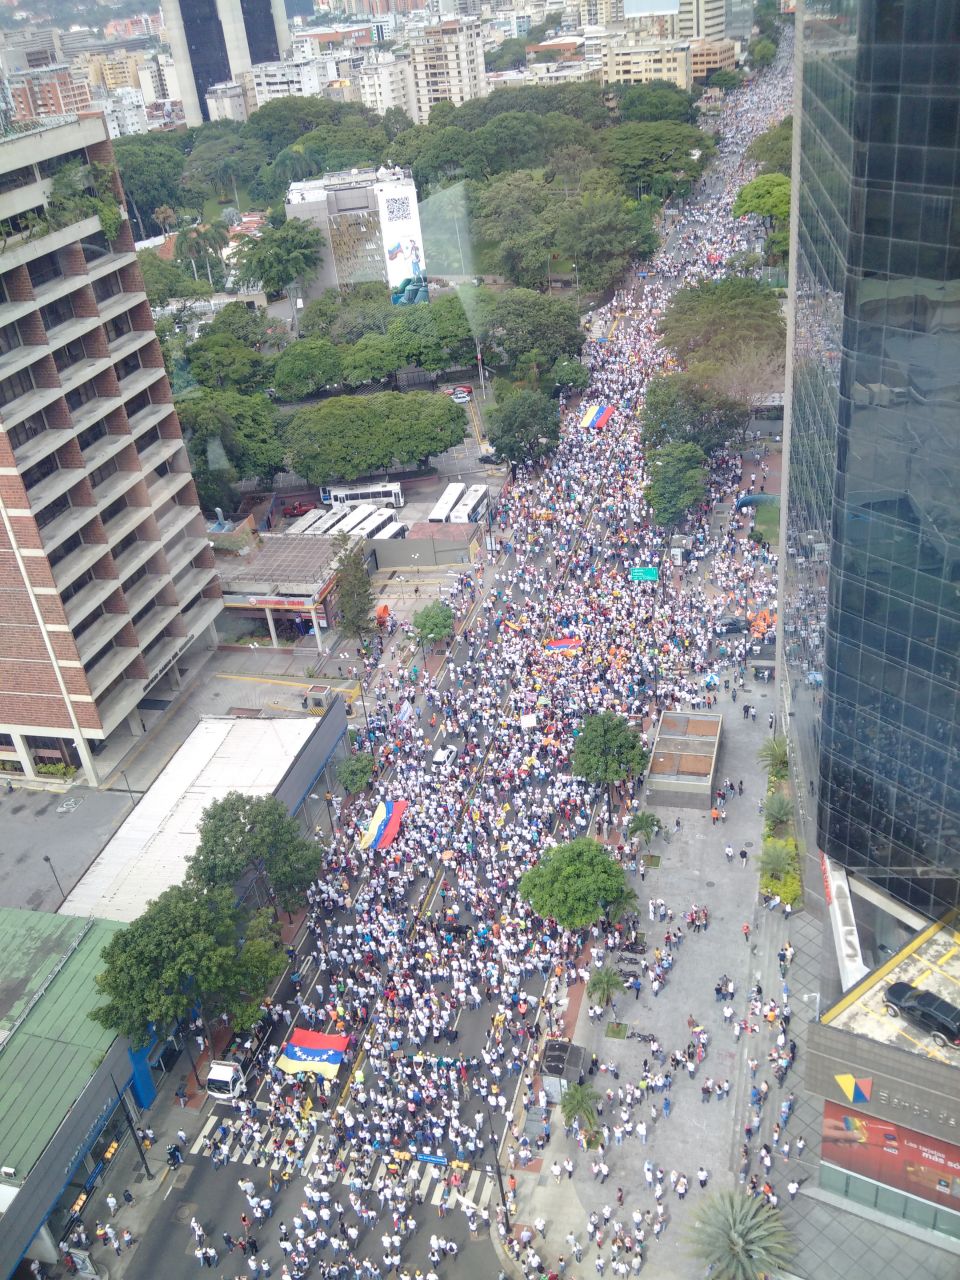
<point x="644" y="573"/>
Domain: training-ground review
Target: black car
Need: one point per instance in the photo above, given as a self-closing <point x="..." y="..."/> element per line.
<point x="926" y="1010"/>
<point x="731" y="626"/>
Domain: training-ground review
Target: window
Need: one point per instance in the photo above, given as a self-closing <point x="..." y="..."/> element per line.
<point x="57" y="313"/>
<point x="52" y="166"/>
<point x="76" y="587"/>
<point x="135" y="577"/>
<point x="126" y="541"/>
<point x="114" y="509"/>
<point x="43" y="270"/>
<point x="108" y="287"/>
<point x="139" y="401"/>
<point x="69" y="355"/>
<point x="65" y="548"/>
<point x="128" y="365"/>
<point x="50" y="513"/>
<point x="94" y="247"/>
<point x="88" y="621"/>
<point x="108" y="469"/>
<point x="117" y="328"/>
<point x="81" y="395"/>
<point x="18" y="384"/>
<point x="151" y="437"/>
<point x="86" y="438"/>
<point x="46" y="467"/>
<point x="29" y="429"/>
<point x="9" y="338"/>
<point x="13" y="179"/>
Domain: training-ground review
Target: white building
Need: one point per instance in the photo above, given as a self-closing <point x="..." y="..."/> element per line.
<point x="227" y="101"/>
<point x="388" y="82"/>
<point x="702" y="19"/>
<point x="296" y="78"/>
<point x="370" y="220"/>
<point x="124" y="112"/>
<point x="447" y="64"/>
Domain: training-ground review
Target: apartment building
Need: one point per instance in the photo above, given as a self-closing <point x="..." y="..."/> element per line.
<point x="47" y="91"/>
<point x="702" y="19"/>
<point x="447" y="64"/>
<point x="707" y="56"/>
<point x="626" y="61"/>
<point x="388" y="82"/>
<point x="106" y="577"/>
<point x="227" y="102"/>
<point x="292" y="78"/>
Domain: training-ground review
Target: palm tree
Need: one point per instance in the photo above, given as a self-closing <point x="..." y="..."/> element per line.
<point x="216" y="237"/>
<point x="294" y="163"/>
<point x="625" y="903"/>
<point x="778" y="858"/>
<point x="778" y="811"/>
<point x="189" y="247"/>
<point x="604" y="984"/>
<point x="740" y="1237"/>
<point x="774" y="757"/>
<point x="579" y="1104"/>
<point x="228" y="170"/>
<point x="643" y="824"/>
<point x="164" y="217"/>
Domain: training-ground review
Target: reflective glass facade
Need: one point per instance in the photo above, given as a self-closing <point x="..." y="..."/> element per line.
<point x="871" y="636"/>
<point x="208" y="52"/>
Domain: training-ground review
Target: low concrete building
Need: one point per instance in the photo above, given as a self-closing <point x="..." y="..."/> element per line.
<point x="683" y="762"/>
<point x="290" y="576"/>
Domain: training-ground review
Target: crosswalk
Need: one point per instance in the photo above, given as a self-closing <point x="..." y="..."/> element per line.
<point x="474" y="1192"/>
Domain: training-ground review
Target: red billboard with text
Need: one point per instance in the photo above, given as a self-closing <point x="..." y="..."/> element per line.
<point x="892" y="1154"/>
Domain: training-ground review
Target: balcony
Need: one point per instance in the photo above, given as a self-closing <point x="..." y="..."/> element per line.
<point x="154" y="622"/>
<point x="118" y="528"/>
<point x="159" y="452"/>
<point x="111" y="665"/>
<point x="138" y="553"/>
<point x="108" y="262"/>
<point x="88" y="598"/>
<point x="149" y="417"/>
<point x="179" y="554"/>
<point x="67" y="522"/>
<point x="77" y="562"/>
<point x="120" y="303"/>
<point x="100" y="633"/>
<point x="160" y="657"/>
<point x="53" y="486"/>
<point x="200" y="615"/>
<point x="76" y="374"/>
<point x="139" y="381"/>
<point x="94" y="410"/>
<point x="165" y="487"/>
<point x="102" y="450"/>
<point x="144" y="590"/>
<point x="20" y="251"/>
<point x="11" y="311"/>
<point x="22" y="357"/>
<point x="118" y="704"/>
<point x="115" y="486"/>
<point x="194" y="580"/>
<point x="30" y="402"/>
<point x="71" y="329"/>
<point x="172" y="521"/>
<point x="41" y="446"/>
<point x="58" y="287"/>
<point x="129" y="342"/>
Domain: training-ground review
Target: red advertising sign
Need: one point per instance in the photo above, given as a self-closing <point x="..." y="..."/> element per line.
<point x="892" y="1154"/>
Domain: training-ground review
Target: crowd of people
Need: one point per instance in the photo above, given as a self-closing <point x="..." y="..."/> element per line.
<point x="404" y="941"/>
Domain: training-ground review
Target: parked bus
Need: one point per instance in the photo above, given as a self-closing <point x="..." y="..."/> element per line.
<point x="384" y="494"/>
<point x="450" y="498"/>
<point x="304" y="523"/>
<point x="331" y="522"/>
<point x="353" y="517"/>
<point x="372" y="525"/>
<point x="395" y="529"/>
<point x="472" y="506"/>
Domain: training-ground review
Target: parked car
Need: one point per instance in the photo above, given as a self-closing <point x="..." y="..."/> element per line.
<point x="459" y="397"/>
<point x="731" y="625"/>
<point x="295" y="509"/>
<point x="926" y="1010"/>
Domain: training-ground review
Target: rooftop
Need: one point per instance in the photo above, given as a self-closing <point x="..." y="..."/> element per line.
<point x="283" y="564"/>
<point x="149" y="852"/>
<point x="313" y="188"/>
<point x="930" y="961"/>
<point x="686" y="746"/>
<point x="50" y="1044"/>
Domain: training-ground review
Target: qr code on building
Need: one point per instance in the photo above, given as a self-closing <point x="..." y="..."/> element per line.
<point x="398" y="208"/>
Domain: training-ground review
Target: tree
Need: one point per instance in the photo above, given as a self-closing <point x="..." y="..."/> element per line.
<point x="773" y="150"/>
<point x="778" y="858"/>
<point x="643" y="824"/>
<point x="305" y="368"/>
<point x="603" y="232"/>
<point x="354" y="593"/>
<point x="716" y="320"/>
<point x="354" y="772"/>
<point x="678" y="482"/>
<point x="607" y="750"/>
<point x="762" y="52"/>
<point x="657" y="100"/>
<point x="247" y="325"/>
<point x="229" y="437"/>
<point x="280" y="256"/>
<point x="166" y="217"/>
<point x="525" y="427"/>
<point x="578" y="1105"/>
<point x="512" y="53"/>
<point x="572" y="883"/>
<point x="279" y="124"/>
<point x="740" y="1237"/>
<point x="567" y="372"/>
<point x="243" y="833"/>
<point x="165" y="281"/>
<point x="665" y="157"/>
<point x="372" y="358"/>
<point x="604" y="984"/>
<point x="435" y="622"/>
<point x="520" y="320"/>
<point x="150" y="168"/>
<point x="516" y="212"/>
<point x="219" y="361"/>
<point x="317" y="317"/>
<point x="678" y="408"/>
<point x="768" y="196"/>
<point x="724" y="79"/>
<point x="778" y="811"/>
<point x="774" y="756"/>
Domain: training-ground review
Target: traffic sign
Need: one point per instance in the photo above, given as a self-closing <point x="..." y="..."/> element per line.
<point x="644" y="573"/>
<point x="426" y="1157"/>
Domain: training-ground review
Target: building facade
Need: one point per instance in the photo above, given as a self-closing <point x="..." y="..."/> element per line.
<point x="388" y="82"/>
<point x="627" y="61"/>
<point x="47" y="91"/>
<point x="447" y="65"/>
<point x="227" y="102"/>
<point x="292" y="78"/>
<point x="702" y="19"/>
<point x="870" y="642"/>
<point x="214" y="41"/>
<point x="105" y="575"/>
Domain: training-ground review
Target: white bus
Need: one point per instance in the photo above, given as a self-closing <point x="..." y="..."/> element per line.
<point x="450" y="498"/>
<point x="330" y="522"/>
<point x="353" y="517"/>
<point x="383" y="494"/>
<point x="303" y="523"/>
<point x="372" y="525"/>
<point x="396" y="529"/>
<point x="472" y="506"/>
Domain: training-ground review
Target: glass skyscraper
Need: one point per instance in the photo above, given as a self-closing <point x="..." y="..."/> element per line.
<point x="871" y="589"/>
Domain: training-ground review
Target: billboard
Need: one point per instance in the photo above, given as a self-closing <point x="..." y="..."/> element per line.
<point x="400" y="230"/>
<point x="892" y="1154"/>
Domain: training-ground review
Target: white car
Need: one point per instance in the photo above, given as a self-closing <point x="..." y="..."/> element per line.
<point x="444" y="756"/>
<point x="460" y="397"/>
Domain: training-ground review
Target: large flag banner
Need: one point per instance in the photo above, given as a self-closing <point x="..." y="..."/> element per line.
<point x="563" y="644"/>
<point x="384" y="825"/>
<point x="313" y="1051"/>
<point x="596" y="417"/>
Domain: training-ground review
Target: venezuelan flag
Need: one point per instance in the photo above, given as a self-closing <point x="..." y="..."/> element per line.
<point x="596" y="416"/>
<point x="384" y="825"/>
<point x="563" y="644"/>
<point x="312" y="1051"/>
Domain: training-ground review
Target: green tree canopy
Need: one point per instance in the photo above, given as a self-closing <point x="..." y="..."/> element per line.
<point x="243" y="833"/>
<point x="521" y="320"/>
<point x="248" y="325"/>
<point x="773" y="150"/>
<point x="354" y="772"/>
<point x="433" y="337"/>
<point x="740" y="1237"/>
<point x="150" y="168"/>
<point x="346" y="437"/>
<point x="220" y="362"/>
<point x="567" y="372"/>
<point x="716" y="320"/>
<point x="608" y="750"/>
<point x="280" y="256"/>
<point x="678" y="481"/>
<point x="762" y="52"/>
<point x="305" y="368"/>
<point x="354" y="592"/>
<point x="229" y="437"/>
<point x="679" y="407"/>
<point x="371" y="358"/>
<point x="603" y="232"/>
<point x="434" y="622"/>
<point x="279" y="124"/>
<point x="512" y="53"/>
<point x="572" y="883"/>
<point x="525" y="427"/>
<point x="724" y="79"/>
<point x="664" y="156"/>
<point x="604" y="985"/>
<point x="165" y="281"/>
<point x="658" y="100"/>
<point x="768" y="196"/>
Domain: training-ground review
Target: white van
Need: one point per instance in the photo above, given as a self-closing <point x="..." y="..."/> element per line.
<point x="225" y="1081"/>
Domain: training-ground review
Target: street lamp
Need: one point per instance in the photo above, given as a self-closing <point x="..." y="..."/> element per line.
<point x="63" y="896"/>
<point x="576" y="272"/>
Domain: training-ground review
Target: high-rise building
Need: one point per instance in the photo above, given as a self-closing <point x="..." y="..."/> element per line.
<point x="291" y="78"/>
<point x="447" y="64"/>
<point x="214" y="41"/>
<point x="47" y="91"/>
<point x="702" y="19"/>
<point x="871" y="590"/>
<point x="106" y="577"/>
<point x="387" y="81"/>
